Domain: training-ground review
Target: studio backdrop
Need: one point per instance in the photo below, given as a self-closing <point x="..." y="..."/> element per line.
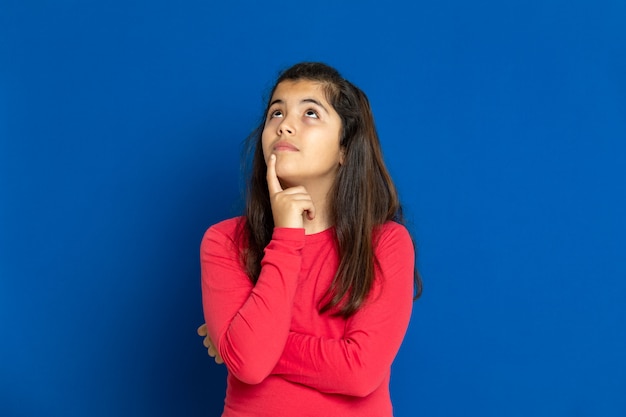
<point x="503" y="125"/>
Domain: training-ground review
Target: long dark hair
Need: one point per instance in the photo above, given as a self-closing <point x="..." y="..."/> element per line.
<point x="362" y="198"/>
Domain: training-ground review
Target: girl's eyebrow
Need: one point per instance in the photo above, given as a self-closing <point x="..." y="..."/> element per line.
<point x="314" y="101"/>
<point x="304" y="100"/>
<point x="279" y="101"/>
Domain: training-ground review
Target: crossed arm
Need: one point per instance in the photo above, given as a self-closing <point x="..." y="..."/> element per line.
<point x="251" y="334"/>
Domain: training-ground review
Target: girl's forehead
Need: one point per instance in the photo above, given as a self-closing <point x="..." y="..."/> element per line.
<point x="299" y="88"/>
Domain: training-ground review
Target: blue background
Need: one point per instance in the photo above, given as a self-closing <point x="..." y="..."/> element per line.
<point x="502" y="122"/>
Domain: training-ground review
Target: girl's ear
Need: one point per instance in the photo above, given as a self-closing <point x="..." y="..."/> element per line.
<point x="342" y="155"/>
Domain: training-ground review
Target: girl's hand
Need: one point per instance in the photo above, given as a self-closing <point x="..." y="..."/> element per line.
<point x="290" y="205"/>
<point x="208" y="343"/>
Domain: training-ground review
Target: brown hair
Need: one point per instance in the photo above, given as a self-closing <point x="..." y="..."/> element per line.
<point x="363" y="195"/>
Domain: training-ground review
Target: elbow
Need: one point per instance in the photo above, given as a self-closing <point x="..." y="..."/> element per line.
<point x="361" y="384"/>
<point x="249" y="372"/>
<point x="248" y="369"/>
<point x="359" y="389"/>
<point x="364" y="375"/>
<point x="245" y="362"/>
<point x="249" y="376"/>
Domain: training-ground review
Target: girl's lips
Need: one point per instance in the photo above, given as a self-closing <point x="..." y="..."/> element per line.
<point x="285" y="146"/>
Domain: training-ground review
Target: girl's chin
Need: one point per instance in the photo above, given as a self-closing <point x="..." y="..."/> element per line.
<point x="287" y="182"/>
<point x="289" y="179"/>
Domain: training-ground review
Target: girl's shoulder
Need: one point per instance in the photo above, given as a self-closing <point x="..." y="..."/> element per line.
<point x="392" y="234"/>
<point x="390" y="228"/>
<point x="227" y="231"/>
<point x="230" y="226"/>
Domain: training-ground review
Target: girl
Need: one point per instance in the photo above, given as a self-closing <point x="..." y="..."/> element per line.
<point x="308" y="296"/>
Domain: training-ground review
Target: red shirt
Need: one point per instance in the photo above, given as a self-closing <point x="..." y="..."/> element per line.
<point x="284" y="358"/>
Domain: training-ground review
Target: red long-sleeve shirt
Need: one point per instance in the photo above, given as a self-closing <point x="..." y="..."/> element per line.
<point x="284" y="358"/>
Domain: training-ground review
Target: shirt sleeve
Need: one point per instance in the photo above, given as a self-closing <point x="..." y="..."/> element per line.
<point x="359" y="362"/>
<point x="249" y="323"/>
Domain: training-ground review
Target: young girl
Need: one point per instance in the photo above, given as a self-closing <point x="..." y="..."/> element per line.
<point x="308" y="296"/>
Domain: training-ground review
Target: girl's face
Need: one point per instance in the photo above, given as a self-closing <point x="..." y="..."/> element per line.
<point x="302" y="129"/>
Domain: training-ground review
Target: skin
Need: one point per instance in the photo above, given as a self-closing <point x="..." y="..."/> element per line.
<point x="300" y="143"/>
<point x="208" y="343"/>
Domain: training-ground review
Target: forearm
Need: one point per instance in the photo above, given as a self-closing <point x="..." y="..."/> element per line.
<point x="242" y="318"/>
<point x="358" y="361"/>
<point x="261" y="322"/>
<point x="354" y="365"/>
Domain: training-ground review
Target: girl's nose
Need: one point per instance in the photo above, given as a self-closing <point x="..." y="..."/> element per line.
<point x="285" y="127"/>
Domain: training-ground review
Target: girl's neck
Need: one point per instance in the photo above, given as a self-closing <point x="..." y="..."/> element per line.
<point x="319" y="190"/>
<point x="316" y="225"/>
<point x="322" y="220"/>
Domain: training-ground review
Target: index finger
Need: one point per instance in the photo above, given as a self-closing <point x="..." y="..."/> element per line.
<point x="273" y="184"/>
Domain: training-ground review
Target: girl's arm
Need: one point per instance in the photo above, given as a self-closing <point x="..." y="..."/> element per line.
<point x="359" y="362"/>
<point x="249" y="324"/>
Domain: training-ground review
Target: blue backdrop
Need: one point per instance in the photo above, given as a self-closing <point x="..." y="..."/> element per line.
<point x="503" y="124"/>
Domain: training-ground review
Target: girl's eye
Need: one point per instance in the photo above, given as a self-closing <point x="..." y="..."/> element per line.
<point x="311" y="113"/>
<point x="276" y="113"/>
